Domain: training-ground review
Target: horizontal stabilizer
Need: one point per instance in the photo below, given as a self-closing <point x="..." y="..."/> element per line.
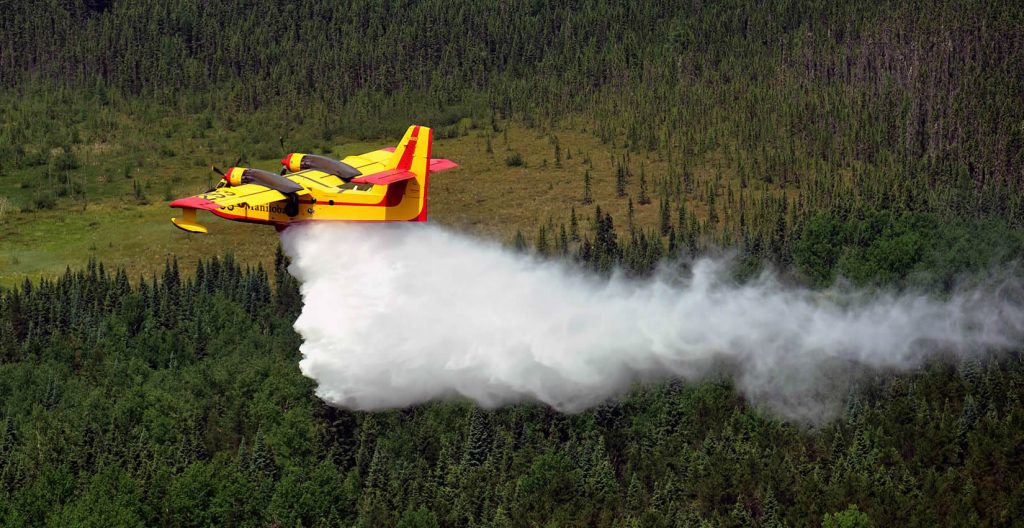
<point x="440" y="164"/>
<point x="436" y="164"/>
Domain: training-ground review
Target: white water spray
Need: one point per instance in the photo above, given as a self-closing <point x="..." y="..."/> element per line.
<point x="399" y="314"/>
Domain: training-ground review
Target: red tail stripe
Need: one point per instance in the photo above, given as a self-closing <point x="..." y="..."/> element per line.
<point x="410" y="150"/>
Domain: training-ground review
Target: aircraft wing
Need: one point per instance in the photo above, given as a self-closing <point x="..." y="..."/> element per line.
<point x="224" y="197"/>
<point x="385" y="177"/>
<point x="312" y="178"/>
<point x="249" y="193"/>
<point x="373" y="165"/>
<point x="370" y="162"/>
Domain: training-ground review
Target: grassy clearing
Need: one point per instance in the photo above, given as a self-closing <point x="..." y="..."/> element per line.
<point x="136" y="237"/>
<point x="115" y="209"/>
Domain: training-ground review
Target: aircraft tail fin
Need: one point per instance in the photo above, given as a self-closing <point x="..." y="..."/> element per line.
<point x="413" y="154"/>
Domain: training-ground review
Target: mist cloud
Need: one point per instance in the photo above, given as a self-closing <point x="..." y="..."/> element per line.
<point x="399" y="314"/>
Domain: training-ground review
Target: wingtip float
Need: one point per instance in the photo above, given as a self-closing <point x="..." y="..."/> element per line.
<point x="385" y="185"/>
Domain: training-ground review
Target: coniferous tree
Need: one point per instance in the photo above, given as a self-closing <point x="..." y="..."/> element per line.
<point x="643" y="198"/>
<point x="665" y="222"/>
<point x="712" y="209"/>
<point x="261" y="459"/>
<point x="587" y="194"/>
<point x="519" y="242"/>
<point x="478" y="439"/>
<point x="542" y="244"/>
<point x="620" y="180"/>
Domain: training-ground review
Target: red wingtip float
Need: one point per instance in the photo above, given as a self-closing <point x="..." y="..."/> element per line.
<point x="386" y="185"/>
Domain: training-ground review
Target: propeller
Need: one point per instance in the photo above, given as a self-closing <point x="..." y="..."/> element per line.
<point x="284" y="152"/>
<point x="221" y="173"/>
<point x="219" y="184"/>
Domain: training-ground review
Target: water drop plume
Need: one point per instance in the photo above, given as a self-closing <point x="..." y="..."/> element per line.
<point x="398" y="314"/>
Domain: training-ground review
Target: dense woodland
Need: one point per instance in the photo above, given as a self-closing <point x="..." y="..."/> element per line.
<point x="877" y="143"/>
<point x="176" y="401"/>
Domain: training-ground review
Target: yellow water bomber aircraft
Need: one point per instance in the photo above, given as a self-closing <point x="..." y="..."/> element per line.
<point x="386" y="185"/>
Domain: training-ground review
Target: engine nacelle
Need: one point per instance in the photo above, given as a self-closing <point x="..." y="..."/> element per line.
<point x="236" y="176"/>
<point x="296" y="162"/>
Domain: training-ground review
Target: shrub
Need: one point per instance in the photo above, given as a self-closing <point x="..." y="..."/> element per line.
<point x="34" y="159"/>
<point x="44" y="200"/>
<point x="65" y="161"/>
<point x="515" y="159"/>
